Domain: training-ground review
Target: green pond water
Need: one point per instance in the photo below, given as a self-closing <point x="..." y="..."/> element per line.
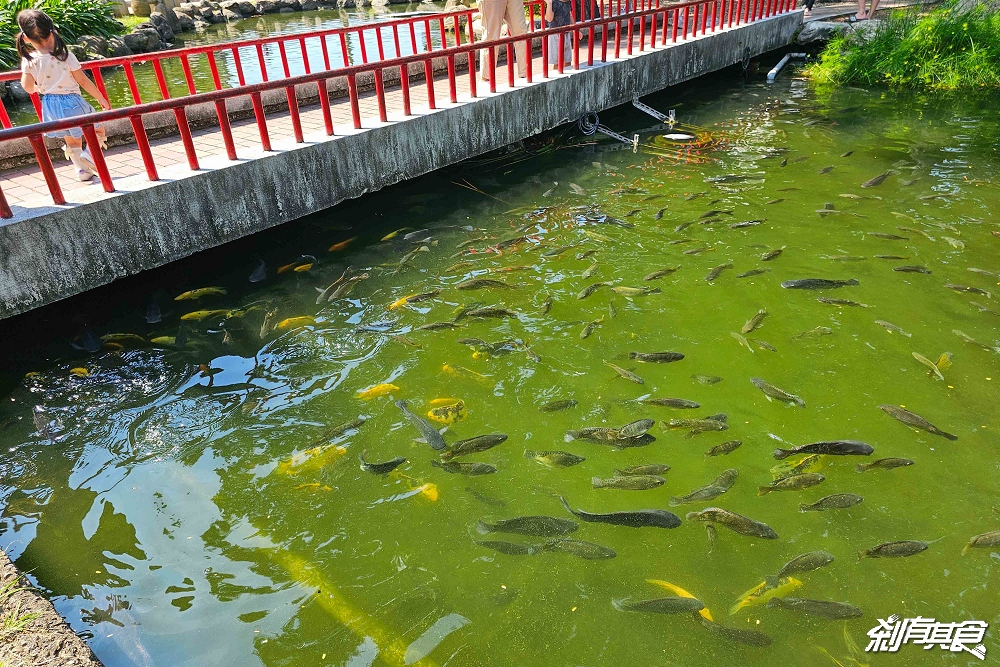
<point x="263" y="26"/>
<point x="171" y="503"/>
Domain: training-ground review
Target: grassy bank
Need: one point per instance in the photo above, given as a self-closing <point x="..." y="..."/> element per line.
<point x="72" y="18"/>
<point x="945" y="49"/>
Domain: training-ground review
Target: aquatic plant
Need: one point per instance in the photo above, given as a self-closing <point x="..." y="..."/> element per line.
<point x="72" y="18"/>
<point x="951" y="48"/>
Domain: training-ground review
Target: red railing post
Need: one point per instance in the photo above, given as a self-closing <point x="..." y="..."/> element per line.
<point x="352" y="93"/>
<point x="188" y="76"/>
<point x="380" y="95"/>
<point x="4" y="118"/>
<point x="493" y="69"/>
<point x="5" y="211"/>
<point x="293" y="111"/>
<point x="36" y="101"/>
<point x="45" y="164"/>
<point x="185" y="130"/>
<point x="94" y="146"/>
<point x="258" y="112"/>
<point x="132" y="86"/>
<point x="224" y="127"/>
<point x="142" y="141"/>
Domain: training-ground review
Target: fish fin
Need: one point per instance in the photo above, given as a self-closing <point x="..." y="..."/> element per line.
<point x="771" y="581"/>
<point x="763" y="490"/>
<point x="782" y="453"/>
<point x="482" y="528"/>
<point x="597" y="482"/>
<point x="965" y="549"/>
<point x="566" y="505"/>
<point x="436" y="464"/>
<point x="528" y="454"/>
<point x="675" y="501"/>
<point x="617" y="604"/>
<point x="422" y="441"/>
<point x="442" y="430"/>
<point x="803" y="507"/>
<point x="949" y="436"/>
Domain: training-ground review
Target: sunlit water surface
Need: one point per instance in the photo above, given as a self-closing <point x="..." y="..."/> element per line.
<point x="157" y="501"/>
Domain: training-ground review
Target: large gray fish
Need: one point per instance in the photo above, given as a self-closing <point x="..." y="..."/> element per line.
<point x="717" y="271"/>
<point x="696" y="426"/>
<point x="462" y="468"/>
<point x="587" y="550"/>
<point x="510" y="548"/>
<point x="656" y="275"/>
<point x="806" y="562"/>
<point x="650" y="518"/>
<point x="482" y="283"/>
<point x="983" y="541"/>
<point x="818" y="283"/>
<point x="628" y="482"/>
<point x="899" y="549"/>
<point x="872" y="182"/>
<point x="431" y="434"/>
<point x="544" y="526"/>
<point x="659" y="357"/>
<point x="773" y="392"/>
<point x="590" y="289"/>
<point x="554" y="459"/>
<point x="636" y="428"/>
<point x="339" y="430"/>
<point x="738" y="635"/>
<point x="560" y="404"/>
<point x="828" y="609"/>
<point x="837" y="501"/>
<point x="380" y="468"/>
<point x="643" y="469"/>
<point x="734" y="522"/>
<point x="480" y="443"/>
<point x="834" y="447"/>
<point x="914" y="420"/>
<point x="670" y="605"/>
<point x="755" y="321"/>
<point x="671" y="402"/>
<point x="725" y="448"/>
<point x="722" y="483"/>
<point x="884" y="464"/>
<point x="792" y="483"/>
<point x="628" y="375"/>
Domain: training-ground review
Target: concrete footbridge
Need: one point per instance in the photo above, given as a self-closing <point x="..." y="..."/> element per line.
<point x="190" y="172"/>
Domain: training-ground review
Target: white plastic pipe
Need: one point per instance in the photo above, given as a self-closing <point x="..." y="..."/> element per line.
<point x="781" y="63"/>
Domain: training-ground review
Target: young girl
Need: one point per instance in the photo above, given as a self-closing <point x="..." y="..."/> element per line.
<point x="50" y="69"/>
<point x="559" y="13"/>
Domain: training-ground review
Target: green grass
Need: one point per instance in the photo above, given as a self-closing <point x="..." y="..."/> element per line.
<point x="945" y="49"/>
<point x="13" y="621"/>
<point x="131" y="22"/>
<point x="73" y="18"/>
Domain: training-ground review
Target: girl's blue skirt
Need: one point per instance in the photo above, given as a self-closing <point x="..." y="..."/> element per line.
<point x="60" y="107"/>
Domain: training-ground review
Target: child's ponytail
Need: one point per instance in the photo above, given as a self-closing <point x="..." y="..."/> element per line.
<point x="37" y="26"/>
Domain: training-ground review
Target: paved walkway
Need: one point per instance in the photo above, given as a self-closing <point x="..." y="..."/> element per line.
<point x="826" y="12"/>
<point x="25" y="187"/>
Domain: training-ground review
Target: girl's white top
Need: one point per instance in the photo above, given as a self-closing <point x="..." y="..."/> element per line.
<point x="52" y="76"/>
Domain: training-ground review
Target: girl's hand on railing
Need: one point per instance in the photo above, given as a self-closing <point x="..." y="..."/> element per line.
<point x="105" y="105"/>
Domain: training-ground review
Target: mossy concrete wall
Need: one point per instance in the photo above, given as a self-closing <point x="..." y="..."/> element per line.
<point x="59" y="252"/>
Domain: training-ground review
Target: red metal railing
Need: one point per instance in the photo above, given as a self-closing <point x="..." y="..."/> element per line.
<point x="703" y="15"/>
<point x="332" y="41"/>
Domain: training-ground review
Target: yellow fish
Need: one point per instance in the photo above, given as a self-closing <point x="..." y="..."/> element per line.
<point x="123" y="338"/>
<point x="343" y="244"/>
<point x="287" y="267"/>
<point x="32" y="374"/>
<point x="114" y="347"/>
<point x="200" y="315"/>
<point x="677" y="590"/>
<point x="376" y="391"/>
<point x="302" y="268"/>
<point x="944" y="361"/>
<point x="163" y="340"/>
<point x="311" y="460"/>
<point x="809" y="463"/>
<point x="399" y="303"/>
<point x="429" y="491"/>
<point x="391" y="235"/>
<point x="79" y="372"/>
<point x="445" y="401"/>
<point x="761" y="593"/>
<point x="199" y="293"/>
<point x="293" y="322"/>
<point x="448" y="414"/>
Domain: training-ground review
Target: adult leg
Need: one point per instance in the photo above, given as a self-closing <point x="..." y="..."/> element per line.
<point x="861" y="11"/>
<point x="516" y="25"/>
<point x="491" y="13"/>
<point x="871" y="12"/>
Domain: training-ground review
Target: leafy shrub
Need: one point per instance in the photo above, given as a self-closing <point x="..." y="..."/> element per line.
<point x="945" y="49"/>
<point x="73" y="18"/>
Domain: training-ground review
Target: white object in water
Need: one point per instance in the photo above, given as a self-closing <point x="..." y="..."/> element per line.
<point x="433" y="636"/>
<point x="781" y="63"/>
<point x="679" y="136"/>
